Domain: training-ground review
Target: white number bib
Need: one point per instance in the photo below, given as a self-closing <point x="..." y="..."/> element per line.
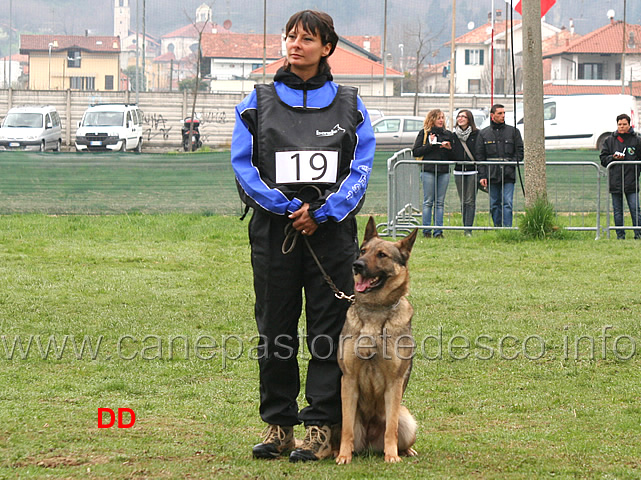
<point x="306" y="166"/>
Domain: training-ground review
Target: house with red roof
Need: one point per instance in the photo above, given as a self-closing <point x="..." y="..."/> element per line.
<point x="348" y="68"/>
<point x="179" y="50"/>
<point x="234" y="62"/>
<point x="606" y="61"/>
<point x="485" y="53"/>
<point x="76" y="62"/>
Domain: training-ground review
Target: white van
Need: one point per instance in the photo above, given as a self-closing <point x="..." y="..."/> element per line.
<point x="115" y="127"/>
<point x="31" y="128"/>
<point x="579" y="121"/>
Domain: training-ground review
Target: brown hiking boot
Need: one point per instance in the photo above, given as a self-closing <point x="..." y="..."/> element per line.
<point x="277" y="440"/>
<point x="316" y="445"/>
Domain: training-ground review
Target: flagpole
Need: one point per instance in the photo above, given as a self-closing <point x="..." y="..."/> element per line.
<point x="453" y="66"/>
<point x="623" y="54"/>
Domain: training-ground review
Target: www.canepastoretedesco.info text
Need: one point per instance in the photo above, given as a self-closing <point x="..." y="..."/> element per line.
<point x="608" y="344"/>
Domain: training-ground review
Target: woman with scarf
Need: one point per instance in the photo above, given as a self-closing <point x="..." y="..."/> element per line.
<point x="434" y="143"/>
<point x="302" y="152"/>
<point x="465" y="175"/>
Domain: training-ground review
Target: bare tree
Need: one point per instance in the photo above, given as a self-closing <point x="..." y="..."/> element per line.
<point x="199" y="29"/>
<point x="423" y="43"/>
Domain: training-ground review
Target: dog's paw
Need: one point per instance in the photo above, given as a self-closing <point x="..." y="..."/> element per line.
<point x="410" y="452"/>
<point x="392" y="458"/>
<point x="343" y="459"/>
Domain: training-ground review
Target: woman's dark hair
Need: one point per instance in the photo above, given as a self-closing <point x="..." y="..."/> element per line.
<point x="318" y="23"/>
<point x="470" y="119"/>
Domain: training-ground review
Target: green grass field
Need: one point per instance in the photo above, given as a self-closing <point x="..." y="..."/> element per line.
<point x="506" y="382"/>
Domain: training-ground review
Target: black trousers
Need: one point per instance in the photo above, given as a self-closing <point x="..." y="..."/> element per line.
<point x="279" y="282"/>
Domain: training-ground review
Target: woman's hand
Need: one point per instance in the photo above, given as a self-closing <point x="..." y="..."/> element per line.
<point x="447" y="145"/>
<point x="303" y="221"/>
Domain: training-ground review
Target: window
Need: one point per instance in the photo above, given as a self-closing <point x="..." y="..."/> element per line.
<point x="474" y="57"/>
<point x="549" y="111"/>
<point x="590" y="71"/>
<point x="413" y="125"/>
<point x="474" y="86"/>
<point x="73" y="58"/>
<point x="82" y="83"/>
<point x="109" y="82"/>
<point x="388" y="126"/>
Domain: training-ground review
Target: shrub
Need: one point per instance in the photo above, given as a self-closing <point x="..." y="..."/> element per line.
<point x="539" y="221"/>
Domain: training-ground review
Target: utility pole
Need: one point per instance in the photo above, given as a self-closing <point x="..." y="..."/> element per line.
<point x="385" y="50"/>
<point x="144" y="43"/>
<point x="137" y="52"/>
<point x="10" y="38"/>
<point x="452" y="66"/>
<point x="265" y="38"/>
<point x="534" y="141"/>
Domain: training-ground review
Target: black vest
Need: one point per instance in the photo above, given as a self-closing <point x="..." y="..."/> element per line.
<point x="296" y="148"/>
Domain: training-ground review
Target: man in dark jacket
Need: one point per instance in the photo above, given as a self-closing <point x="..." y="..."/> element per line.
<point x="623" y="146"/>
<point x="499" y="142"/>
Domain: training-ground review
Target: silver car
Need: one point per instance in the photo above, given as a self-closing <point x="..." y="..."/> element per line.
<point x="31" y="128"/>
<point x="396" y="132"/>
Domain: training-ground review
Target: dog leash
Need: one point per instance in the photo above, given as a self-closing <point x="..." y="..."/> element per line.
<point x="291" y="237"/>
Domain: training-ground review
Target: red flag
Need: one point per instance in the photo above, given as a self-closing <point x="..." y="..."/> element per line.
<point x="545" y="6"/>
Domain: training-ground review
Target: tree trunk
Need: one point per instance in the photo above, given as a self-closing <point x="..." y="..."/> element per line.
<point x="534" y="141"/>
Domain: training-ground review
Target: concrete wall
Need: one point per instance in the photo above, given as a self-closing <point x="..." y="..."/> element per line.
<point x="165" y="111"/>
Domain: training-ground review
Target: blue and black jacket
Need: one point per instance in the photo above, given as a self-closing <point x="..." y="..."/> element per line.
<point x="257" y="135"/>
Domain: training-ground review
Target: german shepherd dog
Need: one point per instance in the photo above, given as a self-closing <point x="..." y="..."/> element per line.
<point x="375" y="352"/>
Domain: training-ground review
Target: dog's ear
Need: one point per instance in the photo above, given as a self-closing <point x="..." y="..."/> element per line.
<point x="370" y="230"/>
<point x="405" y="245"/>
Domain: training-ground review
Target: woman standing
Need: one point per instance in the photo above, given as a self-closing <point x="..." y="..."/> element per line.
<point x="434" y="143"/>
<point x="465" y="176"/>
<point x="302" y="151"/>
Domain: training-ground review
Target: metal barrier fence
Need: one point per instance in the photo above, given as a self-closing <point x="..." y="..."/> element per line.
<point x="574" y="188"/>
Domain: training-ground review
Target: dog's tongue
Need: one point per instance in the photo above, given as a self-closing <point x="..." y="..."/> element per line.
<point x="362" y="285"/>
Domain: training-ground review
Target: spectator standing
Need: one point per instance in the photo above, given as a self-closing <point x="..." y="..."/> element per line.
<point x="465" y="175"/>
<point x="503" y="143"/>
<point x="623" y="146"/>
<point x="434" y="142"/>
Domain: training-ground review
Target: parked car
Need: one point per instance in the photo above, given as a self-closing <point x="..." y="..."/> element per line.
<point x="578" y="121"/>
<point x="115" y="127"/>
<point x="396" y="132"/>
<point x="31" y="128"/>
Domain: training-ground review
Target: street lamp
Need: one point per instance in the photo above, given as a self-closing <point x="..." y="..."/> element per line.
<point x="50" y="45"/>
